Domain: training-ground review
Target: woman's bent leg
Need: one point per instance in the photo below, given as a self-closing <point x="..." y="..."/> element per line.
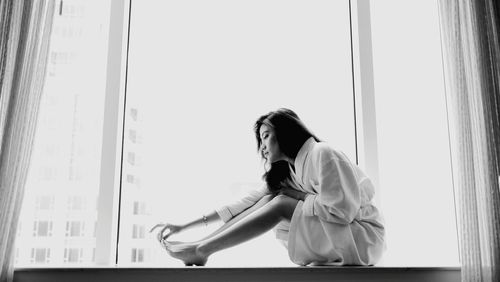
<point x="254" y="224"/>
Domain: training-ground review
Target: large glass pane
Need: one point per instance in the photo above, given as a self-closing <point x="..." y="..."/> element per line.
<point x="57" y="224"/>
<point x="199" y="74"/>
<point x="415" y="167"/>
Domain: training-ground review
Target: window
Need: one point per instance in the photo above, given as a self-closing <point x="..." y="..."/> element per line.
<point x="139" y="208"/>
<point x="137" y="255"/>
<point x="198" y="76"/>
<point x="75" y="229"/>
<point x="76" y="203"/>
<point x="138" y="231"/>
<point x="134" y="136"/>
<point x="40" y="255"/>
<point x="44" y="203"/>
<point x="42" y="228"/>
<point x="197" y="81"/>
<point x="73" y="255"/>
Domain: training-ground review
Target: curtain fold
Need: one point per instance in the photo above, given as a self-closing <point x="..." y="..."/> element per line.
<point x="24" y="44"/>
<point x="471" y="57"/>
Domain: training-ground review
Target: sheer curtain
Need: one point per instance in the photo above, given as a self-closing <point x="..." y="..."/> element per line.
<point x="24" y="40"/>
<point x="470" y="40"/>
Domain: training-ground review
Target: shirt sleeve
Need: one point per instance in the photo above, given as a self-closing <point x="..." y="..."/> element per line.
<point x="338" y="198"/>
<point x="229" y="211"/>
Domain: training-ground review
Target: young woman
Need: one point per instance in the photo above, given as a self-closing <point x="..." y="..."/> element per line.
<point x="318" y="202"/>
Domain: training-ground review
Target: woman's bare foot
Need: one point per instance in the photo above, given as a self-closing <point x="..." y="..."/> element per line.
<point x="186" y="252"/>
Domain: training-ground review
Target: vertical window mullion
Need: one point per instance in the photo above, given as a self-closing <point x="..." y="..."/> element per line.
<point x="108" y="201"/>
<point x="364" y="91"/>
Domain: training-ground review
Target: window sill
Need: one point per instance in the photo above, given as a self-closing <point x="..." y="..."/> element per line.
<point x="441" y="274"/>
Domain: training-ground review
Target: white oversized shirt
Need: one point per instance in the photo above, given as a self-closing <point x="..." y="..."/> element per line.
<point x="337" y="223"/>
<point x="338" y="190"/>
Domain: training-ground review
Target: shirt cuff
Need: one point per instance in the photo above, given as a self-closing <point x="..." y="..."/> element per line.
<point x="224" y="214"/>
<point x="308" y="206"/>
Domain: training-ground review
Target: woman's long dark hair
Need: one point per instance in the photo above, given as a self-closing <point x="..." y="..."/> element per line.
<point x="290" y="134"/>
<point x="277" y="176"/>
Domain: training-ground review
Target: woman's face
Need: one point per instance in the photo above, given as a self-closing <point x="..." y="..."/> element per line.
<point x="269" y="147"/>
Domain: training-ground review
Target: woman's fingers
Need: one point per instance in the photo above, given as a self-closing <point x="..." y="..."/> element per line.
<point x="163" y="227"/>
<point x="156" y="226"/>
<point x="167" y="228"/>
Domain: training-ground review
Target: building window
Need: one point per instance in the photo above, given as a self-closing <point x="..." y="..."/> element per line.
<point x="76" y="203"/>
<point x="75" y="229"/>
<point x="138" y="231"/>
<point x="137" y="255"/>
<point x="42" y="228"/>
<point x="134" y="114"/>
<point x="139" y="208"/>
<point x="73" y="255"/>
<point x="44" y="203"/>
<point x="62" y="57"/>
<point x="131" y="158"/>
<point x="40" y="255"/>
<point x="130" y="178"/>
<point x="132" y="135"/>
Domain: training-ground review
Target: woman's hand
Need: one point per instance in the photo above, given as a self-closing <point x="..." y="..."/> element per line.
<point x="172" y="229"/>
<point x="293" y="193"/>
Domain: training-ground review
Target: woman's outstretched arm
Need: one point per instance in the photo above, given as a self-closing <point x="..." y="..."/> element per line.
<point x="264" y="200"/>
<point x="176" y="228"/>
